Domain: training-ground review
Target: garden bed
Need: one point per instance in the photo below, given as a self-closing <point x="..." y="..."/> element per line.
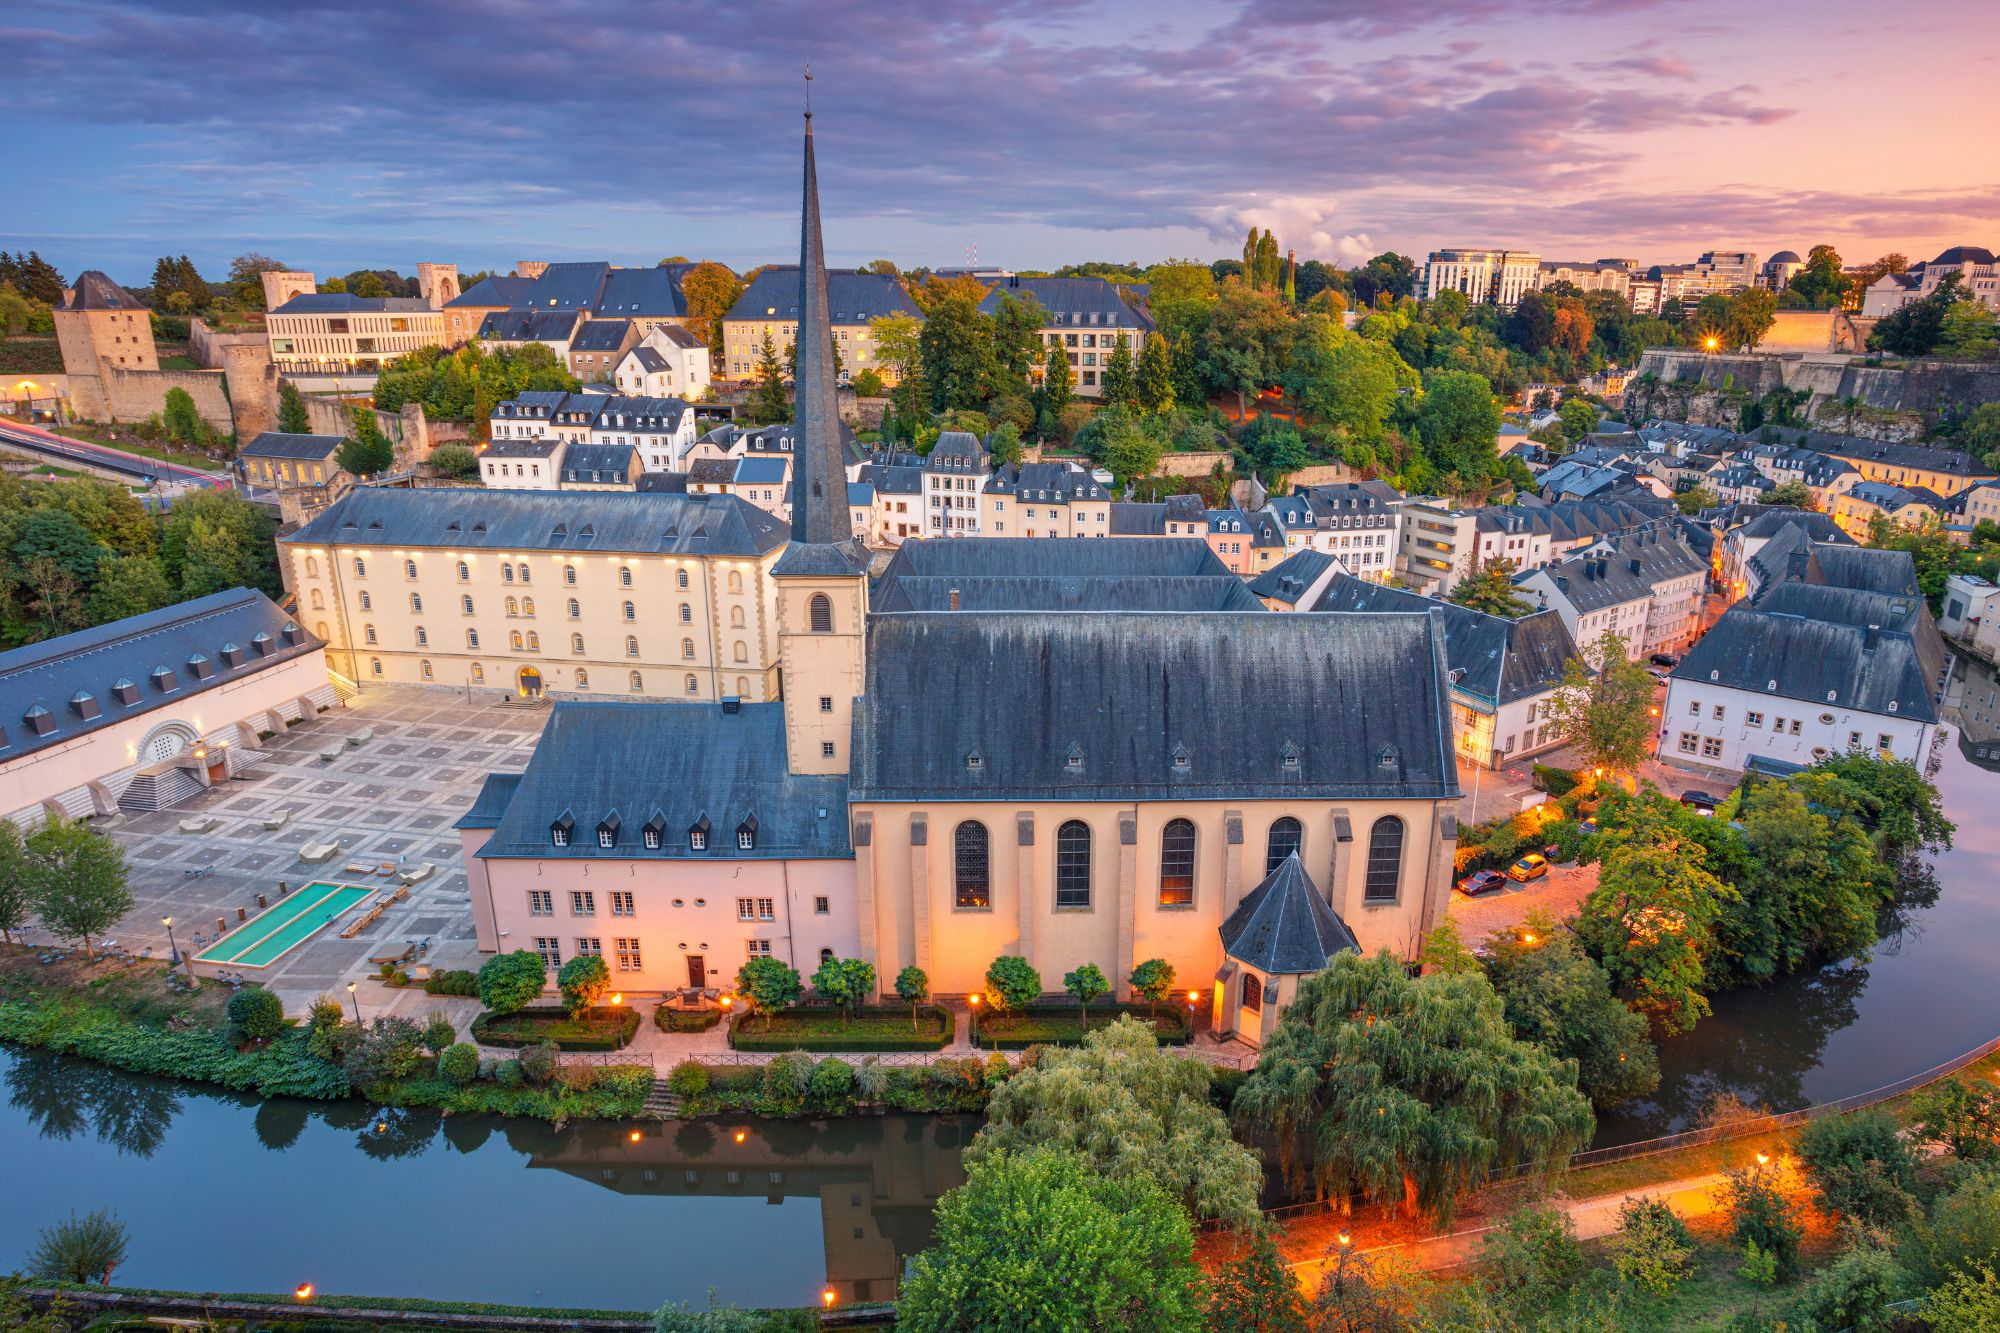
<point x="883" y="1028"/>
<point x="685" y="1020"/>
<point x="1062" y="1025"/>
<point x="601" y="1029"/>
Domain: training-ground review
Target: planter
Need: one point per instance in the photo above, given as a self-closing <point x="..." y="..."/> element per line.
<point x="1062" y="1025"/>
<point x="875" y="1028"/>
<point x="602" y="1029"/>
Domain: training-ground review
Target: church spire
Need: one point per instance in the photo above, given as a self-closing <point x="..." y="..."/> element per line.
<point x="819" y="465"/>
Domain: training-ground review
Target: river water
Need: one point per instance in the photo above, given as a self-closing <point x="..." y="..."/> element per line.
<point x="223" y="1194"/>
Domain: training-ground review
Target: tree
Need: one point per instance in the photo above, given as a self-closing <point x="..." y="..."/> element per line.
<point x="292" y="417"/>
<point x="1651" y="923"/>
<point x="868" y="384"/>
<point x="1152" y="981"/>
<point x="1821" y="283"/>
<point x="1012" y="983"/>
<point x="714" y="1317"/>
<point x="454" y="460"/>
<point x="1807" y="891"/>
<point x="913" y="987"/>
<point x="1556" y="996"/>
<point x="1490" y="588"/>
<point x="769" y="400"/>
<point x="1860" y="1167"/>
<point x="1795" y="493"/>
<point x="1763" y="1217"/>
<point x="183" y="421"/>
<point x="1532" y="1262"/>
<point x="213" y="540"/>
<point x="128" y="585"/>
<point x="1916" y="328"/>
<point x="246" y="283"/>
<point x="1153" y="386"/>
<point x="1751" y="313"/>
<point x="82" y="1249"/>
<point x="1087" y="984"/>
<point x="1255" y="1292"/>
<point x="1121" y="381"/>
<point x="961" y="366"/>
<point x="1695" y="499"/>
<point x="509" y="982"/>
<point x="1962" y="1234"/>
<point x="1413" y="1087"/>
<point x="1967" y="331"/>
<point x="1964" y="1117"/>
<point x="1607" y="715"/>
<point x="771" y="986"/>
<point x="1017" y="335"/>
<point x="1272" y="448"/>
<point x="255" y="1014"/>
<point x="1459" y="424"/>
<point x="845" y="981"/>
<point x="1054" y="392"/>
<point x="16" y="900"/>
<point x="1245" y="342"/>
<point x="1344" y="382"/>
<point x="36" y="278"/>
<point x="1579" y="418"/>
<point x="76" y="880"/>
<point x="1966" y="1303"/>
<point x="1653" y="1250"/>
<point x="1004" y="444"/>
<point x="366" y="451"/>
<point x="583" y="981"/>
<point x="1040" y="1243"/>
<point x="1121" y="443"/>
<point x="709" y="290"/>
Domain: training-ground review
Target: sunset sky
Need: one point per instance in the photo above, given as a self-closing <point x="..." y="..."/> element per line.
<point x="337" y="136"/>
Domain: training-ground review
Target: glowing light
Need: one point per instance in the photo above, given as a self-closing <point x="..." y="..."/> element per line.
<point x="618" y="997"/>
<point x="1527" y="937"/>
<point x="166" y="921"/>
<point x="1193" y="996"/>
<point x="827" y="1296"/>
<point x="1345" y="1240"/>
<point x="973" y="999"/>
<point x="1763" y="1159"/>
<point x="728" y="1000"/>
<point x="303" y="1291"/>
<point x="381" y="1127"/>
<point x="634" y="1136"/>
<point x="740" y="1136"/>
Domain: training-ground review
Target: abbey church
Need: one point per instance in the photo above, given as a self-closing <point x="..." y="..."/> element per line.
<point x="1076" y="751"/>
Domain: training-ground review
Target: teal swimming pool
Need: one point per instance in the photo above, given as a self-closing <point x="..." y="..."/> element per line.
<point x="272" y="934"/>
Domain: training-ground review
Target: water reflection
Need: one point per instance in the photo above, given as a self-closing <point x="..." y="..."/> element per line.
<point x="66" y="1098"/>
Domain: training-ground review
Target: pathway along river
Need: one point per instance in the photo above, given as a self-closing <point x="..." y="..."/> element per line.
<point x="223" y="1194"/>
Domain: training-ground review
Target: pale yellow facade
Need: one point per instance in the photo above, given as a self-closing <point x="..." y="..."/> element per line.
<point x="1013" y="516"/>
<point x="743" y="347"/>
<point x="350" y="339"/>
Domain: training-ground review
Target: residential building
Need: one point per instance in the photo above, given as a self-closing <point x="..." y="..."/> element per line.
<point x="554" y="329"/>
<point x="897" y="483"/>
<point x="1603" y="275"/>
<point x="1943" y="471"/>
<point x="326" y="331"/>
<point x="599" y="346"/>
<point x="1982" y="503"/>
<point x="1484" y="277"/>
<point x="1232" y="537"/>
<point x="522" y="464"/>
<point x="769" y="306"/>
<point x="142" y="713"/>
<point x="600" y="467"/>
<point x="1044" y="500"/>
<point x="661" y="429"/>
<point x="955" y="476"/>
<point x="1978" y="274"/>
<point x="1779" y="270"/>
<point x="1089" y="318"/>
<point x="656" y="595"/>
<point x="1646" y="587"/>
<point x="1972" y="614"/>
<point x="1757" y="542"/>
<point x="668" y="362"/>
<point x="762" y="479"/>
<point x="1857" y="508"/>
<point x="276" y="460"/>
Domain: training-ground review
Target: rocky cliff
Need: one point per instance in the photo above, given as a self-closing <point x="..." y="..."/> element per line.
<point x="1892" y="402"/>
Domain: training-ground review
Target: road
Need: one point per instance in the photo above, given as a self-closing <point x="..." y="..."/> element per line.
<point x="57" y="448"/>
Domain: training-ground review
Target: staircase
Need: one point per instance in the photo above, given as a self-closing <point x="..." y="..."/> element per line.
<point x="157" y="791"/>
<point x="661" y="1104"/>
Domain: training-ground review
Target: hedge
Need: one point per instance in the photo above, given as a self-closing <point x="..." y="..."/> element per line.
<point x="685" y="1020"/>
<point x="746" y="1031"/>
<point x="543" y="1023"/>
<point x="1062" y="1025"/>
<point x="453" y="982"/>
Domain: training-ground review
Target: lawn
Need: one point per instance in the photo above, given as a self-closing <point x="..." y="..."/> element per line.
<point x="605" y="1028"/>
<point x="888" y="1028"/>
<point x="137" y="991"/>
<point x="178" y="363"/>
<point x="1057" y="1025"/>
<point x="130" y="443"/>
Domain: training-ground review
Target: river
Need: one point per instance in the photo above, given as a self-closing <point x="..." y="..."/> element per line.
<point x="223" y="1194"/>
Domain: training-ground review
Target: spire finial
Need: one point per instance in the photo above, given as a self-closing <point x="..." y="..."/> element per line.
<point x="809" y="90"/>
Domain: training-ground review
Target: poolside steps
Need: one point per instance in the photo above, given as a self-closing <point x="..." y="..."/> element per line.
<point x="157" y="791"/>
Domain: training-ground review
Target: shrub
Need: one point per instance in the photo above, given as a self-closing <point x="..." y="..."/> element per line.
<point x="510" y="1074"/>
<point x="583" y="980"/>
<point x="255" y="1014"/>
<point x="452" y="982"/>
<point x="391" y="1048"/>
<point x="1962" y="1234"/>
<point x="604" y="1029"/>
<point x="538" y="1062"/>
<point x="489" y="1067"/>
<point x="871" y="1082"/>
<point x="1653" y="1250"/>
<point x="687" y="1079"/>
<point x="785" y="1082"/>
<point x="510" y="981"/>
<point x="1965" y="1118"/>
<point x="748" y="1033"/>
<point x="1860" y="1167"/>
<point x="668" y="1019"/>
<point x="81" y="1249"/>
<point x="439" y="1034"/>
<point x="459" y="1063"/>
<point x="1852" y="1292"/>
<point x="833" y="1084"/>
<point x="1533" y="1258"/>
<point x="1555" y="781"/>
<point x="1763" y="1215"/>
<point x="454" y="460"/>
<point x="1012" y="983"/>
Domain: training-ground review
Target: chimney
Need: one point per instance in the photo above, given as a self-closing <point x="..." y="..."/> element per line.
<point x="954" y="599"/>
<point x="1873" y="638"/>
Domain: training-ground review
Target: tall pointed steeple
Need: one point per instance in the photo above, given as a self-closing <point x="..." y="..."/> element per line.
<point x="819" y="465"/>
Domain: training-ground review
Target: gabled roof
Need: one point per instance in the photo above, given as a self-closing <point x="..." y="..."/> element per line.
<point x="649" y="360"/>
<point x="530" y="326"/>
<point x="1636" y="563"/>
<point x="458" y="518"/>
<point x="280" y="444"/>
<point x="497" y="291"/>
<point x="1054" y="557"/>
<point x="599" y="462"/>
<point x="1138" y="519"/>
<point x="1177" y="592"/>
<point x="957" y="451"/>
<point x="1284" y="925"/>
<point x="1886" y="453"/>
<point x="682" y="763"/>
<point x="601" y="335"/>
<point x="1496" y="660"/>
<point x="677" y="335"/>
<point x="94" y="291"/>
<point x="491" y="803"/>
<point x="1845" y="565"/>
<point x="648" y="293"/>
<point x="1264" y="706"/>
<point x="1291" y="578"/>
<point x="95" y="678"/>
<point x="1046" y="483"/>
<point x="1071" y="302"/>
<point x="1817" y="662"/>
<point x="852" y="298"/>
<point x="573" y="286"/>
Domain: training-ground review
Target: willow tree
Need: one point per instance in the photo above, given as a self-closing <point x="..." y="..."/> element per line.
<point x="1130" y="1109"/>
<point x="1410" y="1087"/>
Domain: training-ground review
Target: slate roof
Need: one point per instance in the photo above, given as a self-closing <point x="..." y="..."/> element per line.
<point x="852" y="298"/>
<point x="1770" y="520"/>
<point x="601" y="335"/>
<point x="1884" y="496"/>
<point x="337" y="303"/>
<point x="63" y="688"/>
<point x="1890" y="454"/>
<point x="1179" y="592"/>
<point x="585" y="463"/>
<point x="458" y="518"/>
<point x="1351" y="497"/>
<point x="572" y="286"/>
<point x="94" y="291"/>
<point x="1284" y="925"/>
<point x="1498" y="660"/>
<point x="1288" y="580"/>
<point x="649" y="360"/>
<point x="491" y="803"/>
<point x="1046" y="483"/>
<point x="893" y="479"/>
<point x="282" y="444"/>
<point x="498" y="291"/>
<point x="761" y="471"/>
<point x="1867" y="569"/>
<point x="663" y="483"/>
<point x="1817" y="662"/>
<point x="652" y="293"/>
<point x="957" y="451"/>
<point x="1054" y="557"/>
<point x="530" y="326"/>
<point x="544" y="447"/>
<point x="678" y="335"/>
<point x="1965" y="254"/>
<point x="1071" y="302"/>
<point x="1592" y="582"/>
<point x="711" y="471"/>
<point x="782" y="438"/>
<point x="679" y="764"/>
<point x="1138" y="520"/>
<point x="1029" y="706"/>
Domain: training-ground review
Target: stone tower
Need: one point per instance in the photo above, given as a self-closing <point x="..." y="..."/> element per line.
<point x="437" y="283"/>
<point x="281" y="285"/>
<point x="530" y="268"/>
<point x="99" y="324"/>
<point x="822" y="575"/>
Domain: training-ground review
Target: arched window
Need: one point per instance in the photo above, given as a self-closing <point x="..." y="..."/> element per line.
<point x="582" y="679"/>
<point x="478" y="672"/>
<point x="524" y="573"/>
<point x="1073" y="864"/>
<point x="513" y="607"/>
<point x="693" y="686"/>
<point x="360" y="568"/>
<point x="465" y="603"/>
<point x="534" y="642"/>
<point x="1283" y="840"/>
<point x="735" y="581"/>
<point x="416" y="601"/>
<point x="687" y="649"/>
<point x="569" y="575"/>
<point x="506" y="573"/>
<point x="409" y="569"/>
<point x="367" y="602"/>
<point x="424" y="668"/>
<point x="423" y="639"/>
<point x="375" y="666"/>
<point x="318" y="601"/>
<point x="969" y="865"/>
<point x="736" y="617"/>
<point x="631" y="613"/>
<point x="319" y="631"/>
<point x="742" y="652"/>
<point x="368" y="633"/>
<point x="464" y="572"/>
<point x="1253" y="993"/>
<point x="624" y="576"/>
<point x="1385" y="861"/>
<point x="820" y="611"/>
<point x="472" y="638"/>
<point x="681" y="577"/>
<point x="826" y="955"/>
<point x="312" y="567"/>
<point x="687" y="614"/>
<point x="1177" y="863"/>
<point x="638" y="682"/>
<point x="528" y="605"/>
<point x="576" y="643"/>
<point x="514" y="640"/>
<point x="743" y="687"/>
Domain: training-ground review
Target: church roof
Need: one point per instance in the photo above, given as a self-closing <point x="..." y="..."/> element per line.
<point x="607" y="522"/>
<point x="1285" y="926"/>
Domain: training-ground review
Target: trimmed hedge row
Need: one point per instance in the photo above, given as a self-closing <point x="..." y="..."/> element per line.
<point x="685" y="1020"/>
<point x="545" y="1024"/>
<point x="452" y="982"/>
<point x="746" y="1031"/>
<point x="1062" y="1025"/>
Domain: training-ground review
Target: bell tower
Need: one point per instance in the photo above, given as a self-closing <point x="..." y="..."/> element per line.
<point x="822" y="576"/>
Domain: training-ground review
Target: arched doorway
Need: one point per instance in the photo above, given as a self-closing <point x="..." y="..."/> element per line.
<point x="167" y="741"/>
<point x="531" y="683"/>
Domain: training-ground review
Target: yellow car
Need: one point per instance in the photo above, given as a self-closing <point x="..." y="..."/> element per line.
<point x="1531" y="866"/>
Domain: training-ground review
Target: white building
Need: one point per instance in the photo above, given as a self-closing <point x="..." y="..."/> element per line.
<point x="1485" y="277"/>
<point x="669" y="362"/>
<point x="1644" y="586"/>
<point x="1978" y="272"/>
<point x="522" y="465"/>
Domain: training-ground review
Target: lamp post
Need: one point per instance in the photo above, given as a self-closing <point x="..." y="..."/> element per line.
<point x="173" y="949"/>
<point x="357" y="1002"/>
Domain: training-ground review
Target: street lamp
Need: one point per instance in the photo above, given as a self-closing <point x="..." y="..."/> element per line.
<point x="357" y="1002"/>
<point x="172" y="948"/>
<point x="303" y="1291"/>
<point x="827" y="1297"/>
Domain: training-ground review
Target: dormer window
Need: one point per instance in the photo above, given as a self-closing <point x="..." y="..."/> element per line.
<point x="1074" y="760"/>
<point x="607" y="831"/>
<point x="1386" y="757"/>
<point x="1289" y="757"/>
<point x="1181" y="757"/>
<point x="560" y="830"/>
<point x="698" y="835"/>
<point x="654" y="833"/>
<point x="975" y="761"/>
<point x="746" y="834"/>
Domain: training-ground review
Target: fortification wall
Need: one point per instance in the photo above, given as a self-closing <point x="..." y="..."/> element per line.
<point x="253" y="387"/>
<point x="206" y="346"/>
<point x="134" y="395"/>
<point x="1891" y="402"/>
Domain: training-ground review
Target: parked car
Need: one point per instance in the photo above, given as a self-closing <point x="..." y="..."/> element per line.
<point x="1701" y="802"/>
<point x="1532" y="866"/>
<point x="1664" y="660"/>
<point x="1482" y="882"/>
<point x="1661" y="676"/>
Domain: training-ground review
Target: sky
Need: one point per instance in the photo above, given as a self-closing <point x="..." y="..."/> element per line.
<point x="339" y="135"/>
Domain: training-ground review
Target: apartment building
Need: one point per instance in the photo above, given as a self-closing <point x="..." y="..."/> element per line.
<point x="769" y="306"/>
<point x="1644" y="586"/>
<point x="599" y="346"/>
<point x="328" y="331"/>
<point x="1483" y="277"/>
<point x="1045" y="500"/>
<point x="668" y="362"/>
<point x="1978" y="277"/>
<point x="954" y="477"/>
<point x="1089" y="319"/>
<point x="1601" y="275"/>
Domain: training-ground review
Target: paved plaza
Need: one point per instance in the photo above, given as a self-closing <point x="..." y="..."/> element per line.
<point x="390" y="798"/>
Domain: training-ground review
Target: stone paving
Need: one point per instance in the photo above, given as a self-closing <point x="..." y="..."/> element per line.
<point x="392" y="797"/>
